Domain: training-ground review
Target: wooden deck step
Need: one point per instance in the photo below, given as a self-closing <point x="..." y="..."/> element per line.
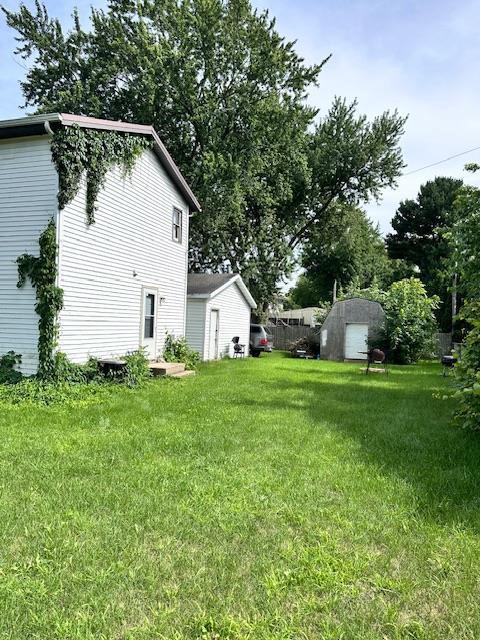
<point x="166" y="368"/>
<point x="183" y="374"/>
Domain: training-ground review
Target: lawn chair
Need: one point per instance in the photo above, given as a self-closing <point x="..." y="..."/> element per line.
<point x="238" y="349"/>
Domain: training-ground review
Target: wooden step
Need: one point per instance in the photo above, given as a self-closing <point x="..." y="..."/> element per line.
<point x="166" y="368"/>
<point x="374" y="370"/>
<point x="183" y="374"/>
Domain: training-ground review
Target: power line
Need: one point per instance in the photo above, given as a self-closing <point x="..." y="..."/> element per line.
<point x="434" y="164"/>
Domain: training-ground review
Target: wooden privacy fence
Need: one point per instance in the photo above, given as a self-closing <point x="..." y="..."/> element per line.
<point x="444" y="344"/>
<point x="283" y="335"/>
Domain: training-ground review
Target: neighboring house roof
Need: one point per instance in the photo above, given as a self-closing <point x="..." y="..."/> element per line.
<point x="208" y="285"/>
<point x="356" y="299"/>
<point x="46" y="123"/>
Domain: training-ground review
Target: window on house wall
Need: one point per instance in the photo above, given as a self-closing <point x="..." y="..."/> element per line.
<point x="149" y="314"/>
<point x="177" y="225"/>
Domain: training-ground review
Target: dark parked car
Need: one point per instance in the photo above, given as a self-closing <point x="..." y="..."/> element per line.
<point x="259" y="340"/>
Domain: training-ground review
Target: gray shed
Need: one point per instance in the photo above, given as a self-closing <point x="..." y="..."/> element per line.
<point x="348" y="328"/>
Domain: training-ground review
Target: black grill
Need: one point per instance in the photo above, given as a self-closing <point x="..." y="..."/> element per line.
<point x="448" y="362"/>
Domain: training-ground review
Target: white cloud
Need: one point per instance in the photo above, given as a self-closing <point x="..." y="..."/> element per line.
<point x="421" y="58"/>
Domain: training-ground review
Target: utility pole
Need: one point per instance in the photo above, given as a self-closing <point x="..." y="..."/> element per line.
<point x="334" y="291"/>
<point x="454" y="298"/>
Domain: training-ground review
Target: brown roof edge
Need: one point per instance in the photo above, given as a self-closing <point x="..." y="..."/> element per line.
<point x="100" y="123"/>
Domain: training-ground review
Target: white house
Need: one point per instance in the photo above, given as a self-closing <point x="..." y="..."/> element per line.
<point x="219" y="306"/>
<point x="124" y="277"/>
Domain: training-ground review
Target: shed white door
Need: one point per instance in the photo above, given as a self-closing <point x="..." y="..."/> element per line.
<point x="213" y="337"/>
<point x="356" y="339"/>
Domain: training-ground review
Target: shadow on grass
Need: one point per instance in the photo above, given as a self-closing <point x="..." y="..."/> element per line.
<point x="401" y="426"/>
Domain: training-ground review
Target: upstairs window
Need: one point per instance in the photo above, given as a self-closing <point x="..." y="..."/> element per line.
<point x="177" y="225"/>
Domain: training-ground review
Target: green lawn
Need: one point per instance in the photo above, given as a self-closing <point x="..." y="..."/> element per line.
<point x="267" y="498"/>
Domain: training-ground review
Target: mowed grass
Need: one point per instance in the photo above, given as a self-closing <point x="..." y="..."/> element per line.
<point x="267" y="498"/>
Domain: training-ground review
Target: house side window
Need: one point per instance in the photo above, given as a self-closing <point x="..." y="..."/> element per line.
<point x="177" y="225"/>
<point x="149" y="316"/>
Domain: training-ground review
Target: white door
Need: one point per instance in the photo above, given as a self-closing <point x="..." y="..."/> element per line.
<point x="356" y="341"/>
<point x="213" y="337"/>
<point x="148" y="328"/>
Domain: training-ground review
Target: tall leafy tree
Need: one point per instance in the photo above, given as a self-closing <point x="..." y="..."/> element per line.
<point x="352" y="161"/>
<point x="419" y="238"/>
<point x="349" y="247"/>
<point x="228" y="96"/>
<point x="464" y="239"/>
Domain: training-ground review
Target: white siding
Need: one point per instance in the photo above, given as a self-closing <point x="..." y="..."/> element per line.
<point x="28" y="199"/>
<point x="104" y="267"/>
<point x="195" y="331"/>
<point x="234" y="319"/>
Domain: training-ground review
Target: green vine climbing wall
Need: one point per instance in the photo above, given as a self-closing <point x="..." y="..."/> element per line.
<point x="42" y="271"/>
<point x="76" y="152"/>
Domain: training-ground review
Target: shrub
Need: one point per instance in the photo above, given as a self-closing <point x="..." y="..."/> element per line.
<point x="305" y="343"/>
<point x="178" y="350"/>
<point x="71" y="384"/>
<point x="40" y="393"/>
<point x="467" y="372"/>
<point x="410" y="321"/>
<point x="323" y="311"/>
<point x="137" y="370"/>
<point x="67" y="371"/>
<point x="8" y="373"/>
<point x="465" y="240"/>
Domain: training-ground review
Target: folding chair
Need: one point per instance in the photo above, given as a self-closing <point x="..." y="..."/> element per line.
<point x="238" y="349"/>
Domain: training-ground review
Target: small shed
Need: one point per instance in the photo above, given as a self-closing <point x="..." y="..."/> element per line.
<point x="348" y="329"/>
<point x="219" y="307"/>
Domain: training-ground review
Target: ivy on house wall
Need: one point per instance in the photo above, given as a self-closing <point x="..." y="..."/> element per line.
<point x="42" y="271"/>
<point x="77" y="152"/>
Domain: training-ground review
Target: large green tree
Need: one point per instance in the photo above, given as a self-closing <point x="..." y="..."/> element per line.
<point x="464" y="240"/>
<point x="348" y="247"/>
<point x="228" y="96"/>
<point x="419" y="238"/>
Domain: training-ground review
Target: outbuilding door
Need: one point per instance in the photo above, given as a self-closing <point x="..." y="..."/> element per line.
<point x="213" y="337"/>
<point x="356" y="340"/>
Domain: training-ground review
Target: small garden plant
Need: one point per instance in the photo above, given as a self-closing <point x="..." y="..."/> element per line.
<point x="8" y="371"/>
<point x="178" y="350"/>
<point x="137" y="371"/>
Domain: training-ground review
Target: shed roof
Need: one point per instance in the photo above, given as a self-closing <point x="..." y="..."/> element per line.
<point x="44" y="124"/>
<point x="208" y="285"/>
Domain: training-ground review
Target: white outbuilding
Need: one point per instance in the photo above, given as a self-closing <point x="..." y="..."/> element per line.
<point x="219" y="307"/>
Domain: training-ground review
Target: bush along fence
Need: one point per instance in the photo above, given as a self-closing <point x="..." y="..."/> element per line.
<point x="284" y="335"/>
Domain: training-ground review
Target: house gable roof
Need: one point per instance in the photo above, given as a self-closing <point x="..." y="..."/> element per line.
<point x="208" y="285"/>
<point x="45" y="123"/>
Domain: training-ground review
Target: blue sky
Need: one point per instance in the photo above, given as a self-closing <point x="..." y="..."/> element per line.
<point x="420" y="57"/>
